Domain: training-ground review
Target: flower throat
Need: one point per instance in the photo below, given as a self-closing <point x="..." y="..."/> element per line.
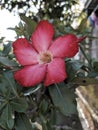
<point x="45" y="57"/>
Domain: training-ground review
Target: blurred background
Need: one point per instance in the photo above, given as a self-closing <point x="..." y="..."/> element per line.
<point x="70" y="16"/>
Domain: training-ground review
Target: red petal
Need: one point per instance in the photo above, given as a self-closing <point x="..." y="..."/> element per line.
<point x="55" y="72"/>
<point x="24" y="52"/>
<point x="30" y="75"/>
<point x="65" y="46"/>
<point x="42" y="36"/>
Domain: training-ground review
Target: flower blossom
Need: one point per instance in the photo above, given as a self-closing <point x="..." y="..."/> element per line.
<point x="42" y="58"/>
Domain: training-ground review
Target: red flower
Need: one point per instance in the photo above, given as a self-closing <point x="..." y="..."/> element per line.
<point x="42" y="59"/>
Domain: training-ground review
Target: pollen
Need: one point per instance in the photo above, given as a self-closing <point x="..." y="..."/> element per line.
<point x="45" y="57"/>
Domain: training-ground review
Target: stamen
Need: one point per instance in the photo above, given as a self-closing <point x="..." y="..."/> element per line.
<point x="45" y="57"/>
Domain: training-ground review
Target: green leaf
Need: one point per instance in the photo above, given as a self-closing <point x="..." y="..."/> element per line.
<point x="4" y="91"/>
<point x="63" y="98"/>
<point x="95" y="65"/>
<point x="30" y="24"/>
<point x="6" y="118"/>
<point x="8" y="76"/>
<point x="7" y="62"/>
<point x="20" y="30"/>
<point x="7" y="48"/>
<point x="92" y="74"/>
<point x="72" y="67"/>
<point x="19" y="104"/>
<point x="43" y="122"/>
<point x="43" y="106"/>
<point x="2" y="105"/>
<point x="22" y="122"/>
<point x="86" y="56"/>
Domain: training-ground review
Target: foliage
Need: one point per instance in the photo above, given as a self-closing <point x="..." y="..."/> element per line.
<point x="21" y="108"/>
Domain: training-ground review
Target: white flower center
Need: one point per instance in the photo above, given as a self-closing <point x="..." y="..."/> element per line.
<point x="45" y="57"/>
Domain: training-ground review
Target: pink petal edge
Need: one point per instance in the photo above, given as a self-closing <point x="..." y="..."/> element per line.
<point x="30" y="75"/>
<point x="24" y="52"/>
<point x="64" y="46"/>
<point x="56" y="72"/>
<point x="42" y="36"/>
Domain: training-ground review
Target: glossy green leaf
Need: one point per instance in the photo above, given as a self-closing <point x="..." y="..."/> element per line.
<point x="19" y="104"/>
<point x="20" y="30"/>
<point x="30" y="24"/>
<point x="95" y="66"/>
<point x="7" y="62"/>
<point x="86" y="56"/>
<point x="8" y="76"/>
<point x="52" y="118"/>
<point x="63" y="98"/>
<point x="93" y="74"/>
<point x="7" y="48"/>
<point x="4" y="91"/>
<point x="43" y="122"/>
<point x="6" y="119"/>
<point x="43" y="106"/>
<point x="72" y="67"/>
<point x="22" y="122"/>
<point x="2" y="105"/>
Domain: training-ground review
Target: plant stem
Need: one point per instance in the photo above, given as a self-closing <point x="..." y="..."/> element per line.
<point x="83" y="52"/>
